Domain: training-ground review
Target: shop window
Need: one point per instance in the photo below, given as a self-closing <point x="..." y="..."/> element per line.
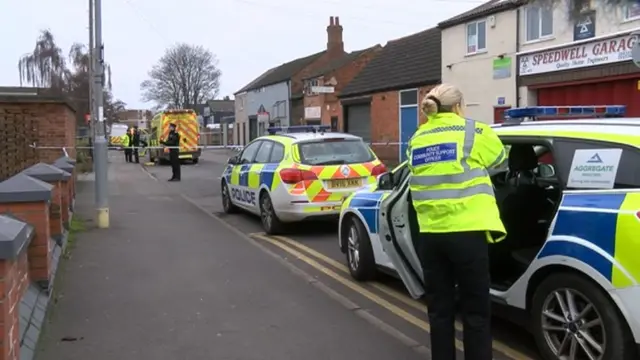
<point x="538" y="22"/>
<point x="632" y="11"/>
<point x="476" y="37"/>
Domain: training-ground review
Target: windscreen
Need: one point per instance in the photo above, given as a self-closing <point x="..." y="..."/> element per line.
<point x="118" y="130"/>
<point x="334" y="152"/>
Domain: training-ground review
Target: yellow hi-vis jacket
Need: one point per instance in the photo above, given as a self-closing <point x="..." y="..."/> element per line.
<point x="450" y="186"/>
<point x="125" y="140"/>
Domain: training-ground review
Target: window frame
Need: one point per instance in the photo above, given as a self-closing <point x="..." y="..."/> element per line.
<point x="284" y="150"/>
<point x="539" y="37"/>
<point x="563" y="173"/>
<point x="478" y="50"/>
<point x="626" y="9"/>
<point x="309" y="83"/>
<point x="264" y="142"/>
<point x="259" y="144"/>
<point x="414" y="102"/>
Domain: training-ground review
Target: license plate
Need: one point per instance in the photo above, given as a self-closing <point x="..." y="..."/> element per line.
<point x="184" y="157"/>
<point x="344" y="183"/>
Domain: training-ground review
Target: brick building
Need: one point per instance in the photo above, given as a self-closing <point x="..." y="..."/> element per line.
<point x="276" y="97"/>
<point x="33" y="116"/>
<point x="381" y="103"/>
<point x="321" y="104"/>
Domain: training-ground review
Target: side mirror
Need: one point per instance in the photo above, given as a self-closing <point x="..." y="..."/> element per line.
<point x="546" y="171"/>
<point x="385" y="181"/>
<point x="233" y="160"/>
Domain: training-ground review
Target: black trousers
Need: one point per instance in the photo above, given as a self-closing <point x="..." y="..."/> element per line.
<point x="457" y="258"/>
<point x="136" y="155"/>
<point x="127" y="154"/>
<point x="175" y="164"/>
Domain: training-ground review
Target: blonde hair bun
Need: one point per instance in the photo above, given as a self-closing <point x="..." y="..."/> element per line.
<point x="448" y="95"/>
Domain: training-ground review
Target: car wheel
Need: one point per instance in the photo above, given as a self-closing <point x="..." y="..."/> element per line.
<point x="270" y="221"/>
<point x="360" y="258"/>
<point x="195" y="161"/>
<point x="573" y="318"/>
<point x="227" y="205"/>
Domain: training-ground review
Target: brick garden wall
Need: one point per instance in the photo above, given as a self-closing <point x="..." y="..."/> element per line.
<point x="27" y="120"/>
<point x="17" y="131"/>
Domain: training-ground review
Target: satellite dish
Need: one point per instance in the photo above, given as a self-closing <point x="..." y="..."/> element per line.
<point x="635" y="52"/>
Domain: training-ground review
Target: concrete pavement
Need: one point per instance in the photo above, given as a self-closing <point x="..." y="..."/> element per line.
<point x="167" y="281"/>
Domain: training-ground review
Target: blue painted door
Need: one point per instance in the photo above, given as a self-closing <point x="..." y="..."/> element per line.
<point x="408" y="126"/>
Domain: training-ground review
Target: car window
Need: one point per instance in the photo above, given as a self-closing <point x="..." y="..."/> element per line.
<point x="249" y="152"/>
<point x="264" y="153"/>
<point x="599" y="162"/>
<point x="334" y="151"/>
<point x="277" y="153"/>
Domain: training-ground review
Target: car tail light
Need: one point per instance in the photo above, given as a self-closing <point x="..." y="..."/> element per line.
<point x="294" y="176"/>
<point x="378" y="170"/>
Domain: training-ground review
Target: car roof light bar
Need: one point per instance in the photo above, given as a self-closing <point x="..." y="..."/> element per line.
<point x="536" y="112"/>
<point x="298" y="129"/>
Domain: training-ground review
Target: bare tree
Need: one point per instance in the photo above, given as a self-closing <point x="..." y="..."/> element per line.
<point x="47" y="67"/>
<point x="184" y="75"/>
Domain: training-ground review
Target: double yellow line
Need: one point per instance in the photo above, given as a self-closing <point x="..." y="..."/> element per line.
<point x="307" y="255"/>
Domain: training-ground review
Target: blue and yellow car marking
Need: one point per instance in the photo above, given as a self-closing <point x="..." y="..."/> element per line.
<point x="607" y="223"/>
<point x="368" y="205"/>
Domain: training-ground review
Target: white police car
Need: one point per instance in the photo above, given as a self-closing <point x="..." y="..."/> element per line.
<point x="297" y="173"/>
<point x="570" y="200"/>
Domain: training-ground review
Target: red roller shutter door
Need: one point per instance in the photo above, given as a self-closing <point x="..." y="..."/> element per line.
<point x="618" y="92"/>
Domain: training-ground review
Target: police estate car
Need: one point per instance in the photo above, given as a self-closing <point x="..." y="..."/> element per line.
<point x="297" y="173"/>
<point x="569" y="197"/>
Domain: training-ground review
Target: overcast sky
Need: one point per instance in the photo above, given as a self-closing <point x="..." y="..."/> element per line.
<point x="248" y="36"/>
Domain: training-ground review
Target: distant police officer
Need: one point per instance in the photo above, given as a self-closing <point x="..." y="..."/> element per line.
<point x="173" y="143"/>
<point x="457" y="215"/>
<point x="126" y="145"/>
<point x="136" y="141"/>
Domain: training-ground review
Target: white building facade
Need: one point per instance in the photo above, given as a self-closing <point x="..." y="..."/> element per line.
<point x="581" y="62"/>
<point x="478" y="56"/>
<point x="504" y="55"/>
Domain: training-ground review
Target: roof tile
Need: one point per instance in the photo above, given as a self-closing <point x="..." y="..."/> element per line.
<point x="413" y="60"/>
<point x="221" y="105"/>
<point x="340" y="62"/>
<point x="281" y="73"/>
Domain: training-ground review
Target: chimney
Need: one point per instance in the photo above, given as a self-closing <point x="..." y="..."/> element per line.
<point x="335" y="46"/>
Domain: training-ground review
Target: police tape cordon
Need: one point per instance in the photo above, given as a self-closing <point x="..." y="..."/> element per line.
<point x="228" y="147"/>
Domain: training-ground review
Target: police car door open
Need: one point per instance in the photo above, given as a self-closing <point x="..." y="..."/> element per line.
<point x="395" y="236"/>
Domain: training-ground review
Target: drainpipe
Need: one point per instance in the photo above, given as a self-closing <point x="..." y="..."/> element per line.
<point x="518" y="31"/>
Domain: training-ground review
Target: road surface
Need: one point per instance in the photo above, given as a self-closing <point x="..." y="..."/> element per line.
<point x="313" y="249"/>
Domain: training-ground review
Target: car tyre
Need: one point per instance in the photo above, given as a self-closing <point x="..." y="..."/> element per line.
<point x="360" y="258"/>
<point x="270" y="222"/>
<point x="195" y="160"/>
<point x="597" y="319"/>
<point x="227" y="204"/>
